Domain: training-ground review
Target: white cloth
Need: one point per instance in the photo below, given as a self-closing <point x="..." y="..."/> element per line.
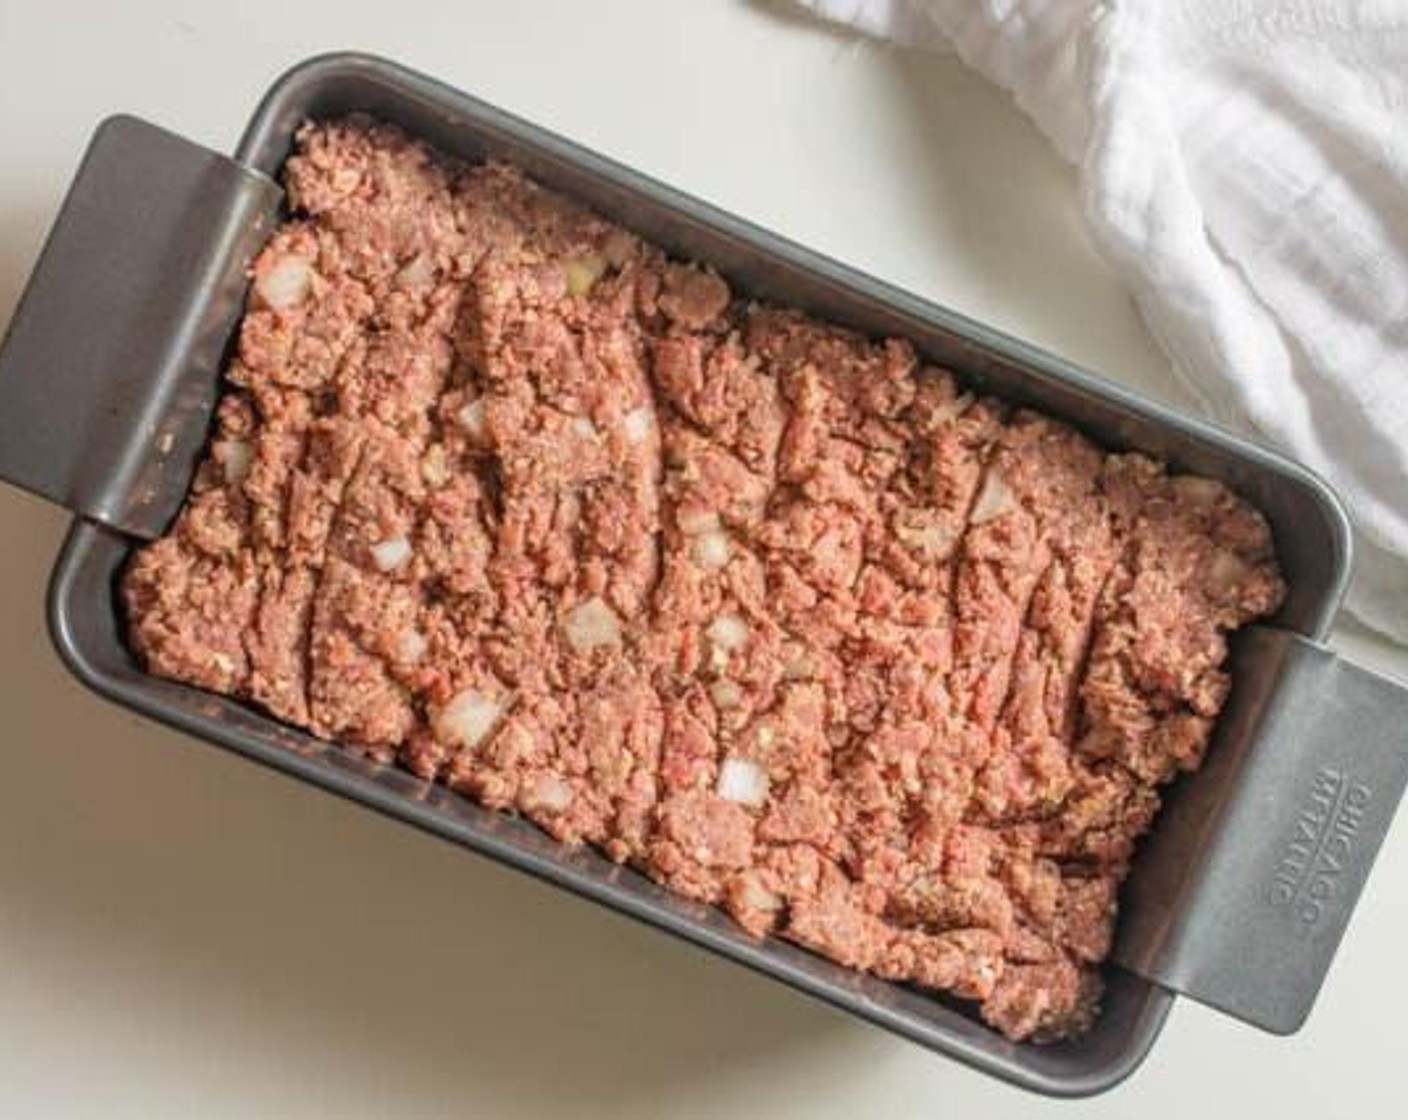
<point x="1244" y="166"/>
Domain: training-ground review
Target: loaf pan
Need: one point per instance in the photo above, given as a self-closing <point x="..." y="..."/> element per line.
<point x="109" y="373"/>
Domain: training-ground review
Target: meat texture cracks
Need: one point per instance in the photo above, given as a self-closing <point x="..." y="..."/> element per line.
<point x="784" y="617"/>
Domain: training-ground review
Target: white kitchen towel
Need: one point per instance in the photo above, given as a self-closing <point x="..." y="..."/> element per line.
<point x="1244" y="166"/>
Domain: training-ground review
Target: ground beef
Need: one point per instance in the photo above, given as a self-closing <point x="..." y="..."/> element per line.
<point x="781" y="615"/>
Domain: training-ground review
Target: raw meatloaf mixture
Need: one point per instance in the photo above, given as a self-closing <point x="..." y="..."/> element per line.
<point x="776" y="613"/>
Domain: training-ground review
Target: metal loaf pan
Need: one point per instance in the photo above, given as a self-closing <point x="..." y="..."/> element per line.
<point x="110" y="369"/>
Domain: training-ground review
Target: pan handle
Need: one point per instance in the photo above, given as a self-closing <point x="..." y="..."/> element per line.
<point x="108" y="372"/>
<point x="1240" y="896"/>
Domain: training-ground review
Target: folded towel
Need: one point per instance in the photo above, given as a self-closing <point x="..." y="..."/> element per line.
<point x="1244" y="166"/>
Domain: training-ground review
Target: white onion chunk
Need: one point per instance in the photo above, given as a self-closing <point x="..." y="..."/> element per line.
<point x="467" y="719"/>
<point x="743" y="781"/>
<point x="637" y="424"/>
<point x="728" y="632"/>
<point x="235" y="457"/>
<point x="471" y="418"/>
<point x="390" y="554"/>
<point x="994" y="500"/>
<point x="711" y="550"/>
<point x="286" y="283"/>
<point x="591" y="624"/>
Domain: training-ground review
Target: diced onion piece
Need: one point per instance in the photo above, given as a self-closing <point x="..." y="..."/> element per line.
<point x="390" y="554"/>
<point x="694" y="521"/>
<point x="725" y="694"/>
<point x="467" y="719"/>
<point x="583" y="272"/>
<point x="1225" y="571"/>
<point x="345" y="180"/>
<point x="591" y="624"/>
<point x="711" y="550"/>
<point x="928" y="534"/>
<point x="755" y="896"/>
<point x="994" y="500"/>
<point x="411" y="646"/>
<point x="583" y="428"/>
<point x="285" y="284"/>
<point x="637" y="424"/>
<point x="471" y="418"/>
<point x="796" y="664"/>
<point x="548" y="793"/>
<point x="235" y="457"/>
<point x="435" y="466"/>
<point x="1200" y="492"/>
<point x="418" y="273"/>
<point x="728" y="632"/>
<point x="743" y="781"/>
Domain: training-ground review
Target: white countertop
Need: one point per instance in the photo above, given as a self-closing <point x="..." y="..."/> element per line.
<point x="183" y="934"/>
